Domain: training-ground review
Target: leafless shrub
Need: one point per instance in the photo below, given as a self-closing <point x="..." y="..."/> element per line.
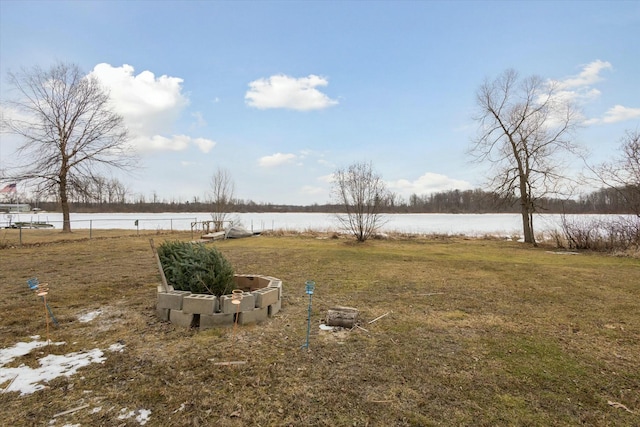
<point x="606" y="235"/>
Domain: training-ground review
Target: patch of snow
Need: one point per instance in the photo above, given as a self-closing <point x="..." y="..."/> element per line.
<point x="22" y="348"/>
<point x="26" y="380"/>
<point x="142" y="415"/>
<point x="88" y="317"/>
<point x="117" y="347"/>
<point x="125" y="413"/>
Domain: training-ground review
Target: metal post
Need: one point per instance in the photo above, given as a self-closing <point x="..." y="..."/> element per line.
<point x="309" y="288"/>
<point x="236" y="299"/>
<point x="90" y="228"/>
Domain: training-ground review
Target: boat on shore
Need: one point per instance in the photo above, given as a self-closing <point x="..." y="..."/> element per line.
<point x="30" y="224"/>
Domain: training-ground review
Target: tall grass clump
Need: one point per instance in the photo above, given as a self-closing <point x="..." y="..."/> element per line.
<point x="196" y="268"/>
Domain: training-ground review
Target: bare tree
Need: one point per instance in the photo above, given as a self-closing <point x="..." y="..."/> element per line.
<point x="222" y="197"/>
<point x="70" y="132"/>
<point x="622" y="174"/>
<point x="525" y="127"/>
<point x="117" y="191"/>
<point x="362" y="194"/>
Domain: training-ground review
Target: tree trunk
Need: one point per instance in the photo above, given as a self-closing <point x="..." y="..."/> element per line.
<point x="526" y="226"/>
<point x="64" y="205"/>
<point x="345" y="317"/>
<point x="525" y="204"/>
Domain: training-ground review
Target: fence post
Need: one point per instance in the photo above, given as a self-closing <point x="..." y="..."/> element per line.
<point x="90" y="228"/>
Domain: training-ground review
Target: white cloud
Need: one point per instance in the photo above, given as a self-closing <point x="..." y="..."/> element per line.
<point x="205" y="145"/>
<point x="174" y="143"/>
<point x="281" y="91"/>
<point x="589" y="75"/>
<point x="620" y="113"/>
<point x="150" y="106"/>
<point x="428" y="183"/>
<point x="578" y="88"/>
<point x="276" y="159"/>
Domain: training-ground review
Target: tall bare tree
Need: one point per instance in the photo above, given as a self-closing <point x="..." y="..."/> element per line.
<point x="68" y="129"/>
<point x="622" y="174"/>
<point x="222" y="197"/>
<point x="362" y="194"/>
<point x="525" y="127"/>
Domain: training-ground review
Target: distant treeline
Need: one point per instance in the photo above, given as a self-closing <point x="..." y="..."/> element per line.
<point x="603" y="201"/>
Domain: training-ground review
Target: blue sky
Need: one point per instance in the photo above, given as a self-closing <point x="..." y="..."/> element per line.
<point x="283" y="93"/>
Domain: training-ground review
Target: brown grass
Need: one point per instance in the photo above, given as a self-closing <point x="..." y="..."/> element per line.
<point x="479" y="333"/>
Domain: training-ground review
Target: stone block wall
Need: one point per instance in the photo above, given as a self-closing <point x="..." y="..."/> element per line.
<point x="261" y="299"/>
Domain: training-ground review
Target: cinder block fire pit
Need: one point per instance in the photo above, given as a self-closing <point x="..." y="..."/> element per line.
<point x="261" y="299"/>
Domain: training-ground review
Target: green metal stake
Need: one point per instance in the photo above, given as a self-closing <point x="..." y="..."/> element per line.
<point x="309" y="288"/>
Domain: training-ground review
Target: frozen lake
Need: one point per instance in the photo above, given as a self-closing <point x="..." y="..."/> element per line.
<point x="503" y="225"/>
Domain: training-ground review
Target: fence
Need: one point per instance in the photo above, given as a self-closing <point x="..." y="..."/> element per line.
<point x="17" y="233"/>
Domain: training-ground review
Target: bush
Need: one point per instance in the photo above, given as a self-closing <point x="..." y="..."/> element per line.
<point x="607" y="235"/>
<point x="196" y="268"/>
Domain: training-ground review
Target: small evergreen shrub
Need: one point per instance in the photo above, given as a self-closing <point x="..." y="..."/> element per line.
<point x="196" y="268"/>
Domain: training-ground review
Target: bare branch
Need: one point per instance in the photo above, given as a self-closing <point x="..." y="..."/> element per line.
<point x="362" y="194"/>
<point x="524" y="128"/>
<point x="69" y="133"/>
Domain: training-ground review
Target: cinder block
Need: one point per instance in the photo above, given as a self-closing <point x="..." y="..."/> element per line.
<point x="247" y="303"/>
<point x="180" y="318"/>
<point x="172" y="299"/>
<point x="246" y="282"/>
<point x="274" y="308"/>
<point x="200" y="304"/>
<point x="265" y="296"/>
<point x="253" y="316"/>
<point x="163" y="314"/>
<point x="263" y="281"/>
<point x="161" y="288"/>
<point x="276" y="283"/>
<point x="208" y="321"/>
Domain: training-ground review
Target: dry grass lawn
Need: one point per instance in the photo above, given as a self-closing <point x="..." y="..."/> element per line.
<point x="479" y="333"/>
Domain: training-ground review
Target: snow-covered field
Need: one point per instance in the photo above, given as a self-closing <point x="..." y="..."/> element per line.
<point x="503" y="225"/>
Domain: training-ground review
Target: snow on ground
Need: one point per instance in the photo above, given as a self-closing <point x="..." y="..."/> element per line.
<point x="117" y="347"/>
<point x="142" y="415"/>
<point x="20" y="349"/>
<point x="88" y="317"/>
<point x="26" y="380"/>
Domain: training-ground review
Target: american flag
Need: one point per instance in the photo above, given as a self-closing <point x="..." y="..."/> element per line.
<point x="9" y="188"/>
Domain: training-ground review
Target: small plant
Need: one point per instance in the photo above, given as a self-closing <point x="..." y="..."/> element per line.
<point x="196" y="268"/>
